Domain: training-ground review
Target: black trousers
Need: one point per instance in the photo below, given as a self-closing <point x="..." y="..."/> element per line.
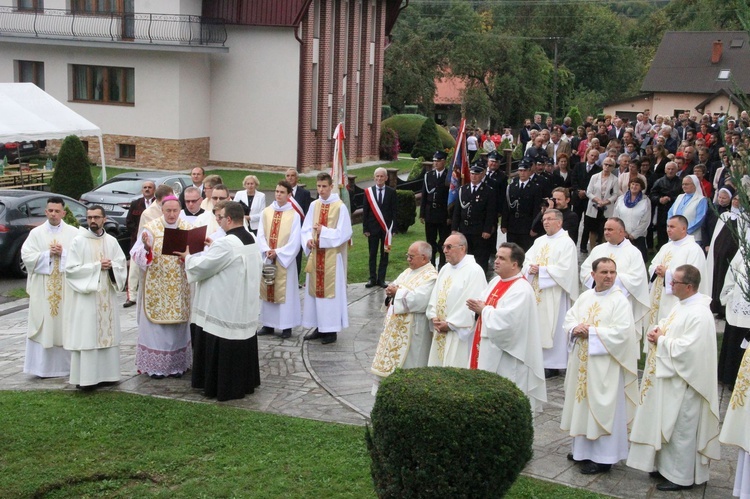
<point x="525" y="241"/>
<point x="377" y="272"/>
<point x="481" y="249"/>
<point x="436" y="234"/>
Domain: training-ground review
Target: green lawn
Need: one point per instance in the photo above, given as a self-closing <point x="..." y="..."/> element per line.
<point x="66" y="444"/>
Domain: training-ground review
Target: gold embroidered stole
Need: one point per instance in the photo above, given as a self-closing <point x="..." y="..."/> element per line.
<point x="658" y="291"/>
<point x="742" y="385"/>
<point x="166" y="291"/>
<point x="441" y="309"/>
<point x="105" y="315"/>
<point x="321" y="264"/>
<point x="277" y="226"/>
<point x="649" y="371"/>
<point x="55" y="285"/>
<point x="394" y="343"/>
<point x="542" y="260"/>
<point x="592" y="318"/>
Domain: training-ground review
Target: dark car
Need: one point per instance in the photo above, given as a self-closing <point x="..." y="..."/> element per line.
<point x="16" y="151"/>
<point x="21" y="211"/>
<point x="115" y="194"/>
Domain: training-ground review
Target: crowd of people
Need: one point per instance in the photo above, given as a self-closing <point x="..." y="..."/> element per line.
<point x="610" y="191"/>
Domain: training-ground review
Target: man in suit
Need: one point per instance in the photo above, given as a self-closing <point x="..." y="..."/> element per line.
<point x="433" y="210"/>
<point x="475" y="215"/>
<point x="197" y="174"/>
<point x="378" y="214"/>
<point x="618" y="130"/>
<point x="132" y="220"/>
<point x="556" y="146"/>
<point x="579" y="183"/>
<point x="300" y="199"/>
<point x="522" y="205"/>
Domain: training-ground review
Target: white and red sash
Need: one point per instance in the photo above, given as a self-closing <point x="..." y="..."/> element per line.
<point x="379" y="217"/>
<point x="297" y="208"/>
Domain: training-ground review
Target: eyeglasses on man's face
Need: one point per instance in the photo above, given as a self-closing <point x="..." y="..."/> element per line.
<point x="448" y="247"/>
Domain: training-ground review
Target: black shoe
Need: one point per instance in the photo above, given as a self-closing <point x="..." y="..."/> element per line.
<point x="592" y="468"/>
<point x="656" y="474"/>
<point x="286" y="333"/>
<point x="313" y="335"/>
<point x="265" y="331"/>
<point x="382" y="284"/>
<point x="157" y="376"/>
<point x="328" y="338"/>
<point x="551" y="373"/>
<point x="672" y="487"/>
<point x="370" y="284"/>
<point x="128" y="304"/>
<point x="570" y="458"/>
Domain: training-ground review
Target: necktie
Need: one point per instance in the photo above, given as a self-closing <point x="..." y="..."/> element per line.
<point x="473" y="189"/>
<point x="380" y="195"/>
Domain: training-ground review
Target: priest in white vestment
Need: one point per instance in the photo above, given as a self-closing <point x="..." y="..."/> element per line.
<point x="163" y="300"/>
<point x="44" y="253"/>
<point x="601" y="383"/>
<point x="506" y="337"/>
<point x="406" y="337"/>
<point x="225" y="310"/>
<point x="632" y="279"/>
<point x="452" y="322"/>
<point x="551" y="266"/>
<point x="279" y="242"/>
<point x="326" y="232"/>
<point x="680" y="250"/>
<point x="95" y="271"/>
<point x="736" y="427"/>
<point x="676" y="427"/>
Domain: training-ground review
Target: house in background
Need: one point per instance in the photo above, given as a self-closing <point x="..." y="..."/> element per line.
<point x="175" y="84"/>
<point x="692" y="71"/>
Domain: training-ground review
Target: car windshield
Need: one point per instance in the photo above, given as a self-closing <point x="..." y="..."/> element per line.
<point x="124" y="186"/>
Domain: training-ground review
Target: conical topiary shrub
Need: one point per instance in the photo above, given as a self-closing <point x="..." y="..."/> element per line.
<point x="72" y="175"/>
<point x="427" y="141"/>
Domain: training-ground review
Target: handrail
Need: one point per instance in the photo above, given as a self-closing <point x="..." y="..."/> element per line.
<point x="117" y="26"/>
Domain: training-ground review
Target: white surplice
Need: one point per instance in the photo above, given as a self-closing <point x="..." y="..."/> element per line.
<point x="672" y="255"/>
<point x="601" y="383"/>
<point x="555" y="287"/>
<point x="45" y="355"/>
<point x="676" y="426"/>
<point x="510" y="342"/>
<point x="329" y="315"/>
<point x="285" y="315"/>
<point x="632" y="278"/>
<point x="92" y="321"/>
<point x="455" y="284"/>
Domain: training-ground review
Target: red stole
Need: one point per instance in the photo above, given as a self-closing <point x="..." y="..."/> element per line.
<point x="500" y="288"/>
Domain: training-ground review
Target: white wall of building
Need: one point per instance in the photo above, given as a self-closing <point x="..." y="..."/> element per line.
<point x="184" y="7"/>
<point x="171" y="89"/>
<point x="255" y="97"/>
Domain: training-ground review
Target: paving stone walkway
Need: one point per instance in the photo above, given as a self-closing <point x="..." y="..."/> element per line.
<point x="332" y="383"/>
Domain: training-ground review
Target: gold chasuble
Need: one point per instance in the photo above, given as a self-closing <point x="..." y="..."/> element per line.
<point x="321" y="264"/>
<point x="395" y="341"/>
<point x="279" y="225"/>
<point x="166" y="290"/>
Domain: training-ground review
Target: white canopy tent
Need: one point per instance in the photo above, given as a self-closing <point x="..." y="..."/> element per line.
<point x="29" y="113"/>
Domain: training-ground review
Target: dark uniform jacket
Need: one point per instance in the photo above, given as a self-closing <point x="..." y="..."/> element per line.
<point x="499" y="181"/>
<point x="475" y="213"/>
<point x="434" y="206"/>
<point x="521" y="207"/>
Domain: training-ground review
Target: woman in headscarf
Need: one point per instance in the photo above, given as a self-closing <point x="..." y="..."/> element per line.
<point x="634" y="209"/>
<point x="692" y="205"/>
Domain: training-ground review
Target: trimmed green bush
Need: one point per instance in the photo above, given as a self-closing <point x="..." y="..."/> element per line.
<point x="406" y="211"/>
<point x="417" y="170"/>
<point x="72" y="175"/>
<point x="411" y="109"/>
<point x="427" y="141"/>
<point x="407" y="126"/>
<point x="448" y="432"/>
